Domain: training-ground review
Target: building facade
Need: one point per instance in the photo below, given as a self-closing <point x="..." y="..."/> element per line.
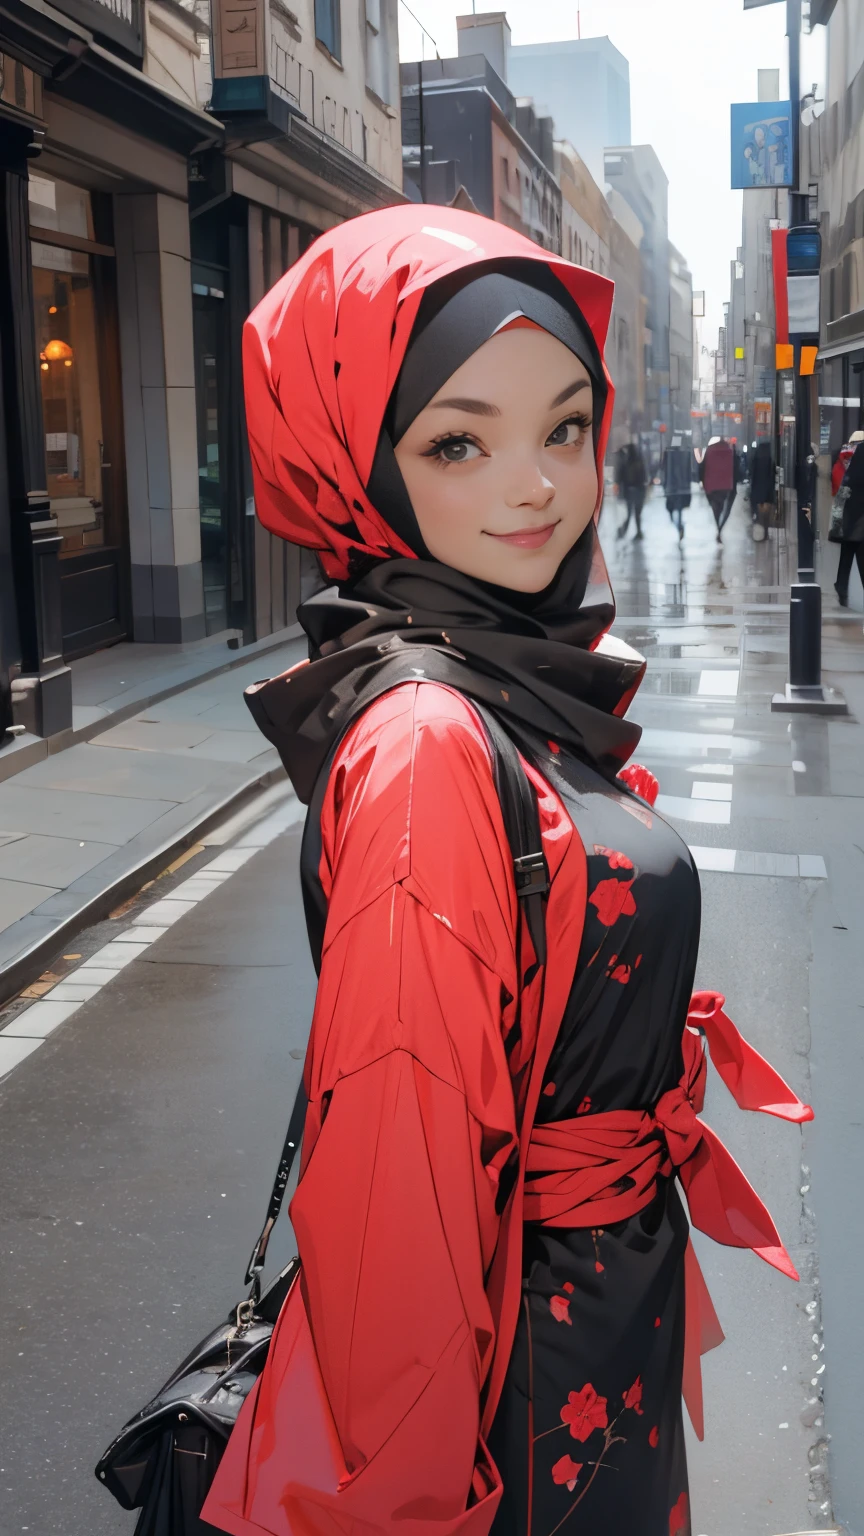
<point x="635" y="172"/>
<point x="680" y="342"/>
<point x="584" y="84"/>
<point x="464" y="130"/>
<point x="833" y="159"/>
<point x="153" y="188"/>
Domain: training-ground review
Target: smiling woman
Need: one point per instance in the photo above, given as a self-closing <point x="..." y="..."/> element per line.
<point x="496" y="464"/>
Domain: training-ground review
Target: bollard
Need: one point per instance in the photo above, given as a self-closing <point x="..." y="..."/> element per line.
<point x="804" y="692"/>
<point x="805" y="635"/>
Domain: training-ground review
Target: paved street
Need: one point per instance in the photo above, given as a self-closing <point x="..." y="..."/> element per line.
<point x="142" y="1128"/>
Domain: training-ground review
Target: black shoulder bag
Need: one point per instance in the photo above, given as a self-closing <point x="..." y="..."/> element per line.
<point x="165" y="1458"/>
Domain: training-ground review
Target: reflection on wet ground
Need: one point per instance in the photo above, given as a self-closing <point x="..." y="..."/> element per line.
<point x="712" y="621"/>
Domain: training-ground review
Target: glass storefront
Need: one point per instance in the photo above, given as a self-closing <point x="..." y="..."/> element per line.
<point x="208" y="329"/>
<point x="67" y="342"/>
<point x="76" y="331"/>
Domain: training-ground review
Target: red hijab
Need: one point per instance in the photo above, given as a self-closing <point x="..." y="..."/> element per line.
<point x="322" y="352"/>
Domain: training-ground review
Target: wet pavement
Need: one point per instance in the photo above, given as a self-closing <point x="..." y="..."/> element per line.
<point x="141" y="1130"/>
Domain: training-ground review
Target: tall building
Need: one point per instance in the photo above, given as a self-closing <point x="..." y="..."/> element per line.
<point x="584" y="84"/>
<point x="636" y="174"/>
<point x="680" y="341"/>
<point x="477" y="137"/>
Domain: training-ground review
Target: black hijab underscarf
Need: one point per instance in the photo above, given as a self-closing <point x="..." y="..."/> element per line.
<point x="525" y="655"/>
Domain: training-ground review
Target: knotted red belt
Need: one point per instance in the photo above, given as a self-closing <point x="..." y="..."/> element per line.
<point x="576" y="1168"/>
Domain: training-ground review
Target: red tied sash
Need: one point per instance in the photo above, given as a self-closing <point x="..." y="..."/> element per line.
<point x="575" y="1167"/>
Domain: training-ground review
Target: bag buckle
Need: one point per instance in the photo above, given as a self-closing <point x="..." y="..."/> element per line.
<point x="532" y="874"/>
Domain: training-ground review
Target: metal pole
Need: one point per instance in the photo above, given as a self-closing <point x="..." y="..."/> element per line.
<point x="423" y="131"/>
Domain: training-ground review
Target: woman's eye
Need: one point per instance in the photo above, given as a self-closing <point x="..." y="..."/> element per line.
<point x="457" y="450"/>
<point x="568" y="432"/>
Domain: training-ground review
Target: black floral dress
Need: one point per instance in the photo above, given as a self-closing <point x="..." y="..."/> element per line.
<point x="589" y="1435"/>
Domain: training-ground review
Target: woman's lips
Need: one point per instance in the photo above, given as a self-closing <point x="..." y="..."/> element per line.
<point x="527" y="538"/>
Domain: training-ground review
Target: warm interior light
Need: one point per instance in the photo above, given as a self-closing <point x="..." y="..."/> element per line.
<point x="57" y="351"/>
<point x="44" y="367"/>
<point x="67" y="362"/>
<point x="52" y="309"/>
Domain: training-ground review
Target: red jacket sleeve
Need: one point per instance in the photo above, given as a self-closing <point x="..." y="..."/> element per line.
<point x="411" y="1121"/>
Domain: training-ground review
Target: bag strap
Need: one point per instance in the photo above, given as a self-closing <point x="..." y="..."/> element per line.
<point x="531" y="873"/>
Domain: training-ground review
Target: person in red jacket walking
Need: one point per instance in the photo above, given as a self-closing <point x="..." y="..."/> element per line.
<point x="490" y="1331"/>
<point x="720" y="473"/>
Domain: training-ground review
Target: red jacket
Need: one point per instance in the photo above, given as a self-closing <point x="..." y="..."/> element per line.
<point x="841" y="464"/>
<point x="387" y="1362"/>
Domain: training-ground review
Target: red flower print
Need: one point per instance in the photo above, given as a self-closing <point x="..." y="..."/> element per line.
<point x="656" y="1322"/>
<point x="621" y="973"/>
<point x="584" y="1106"/>
<point x="613" y="900"/>
<point x="654" y="1438"/>
<point x="549" y="1090"/>
<point x="584" y="1411"/>
<point x="637" y="962"/>
<point x="566" y="1471"/>
<point x="633" y="1395"/>
<point x="616" y="860"/>
<point x="559" y="1306"/>
<point x="569" y="1287"/>
<point x="553" y="747"/>
<point x="679" y="1517"/>
<point x="641" y="781"/>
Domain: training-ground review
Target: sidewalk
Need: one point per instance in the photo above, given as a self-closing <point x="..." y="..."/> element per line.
<point x="82" y="828"/>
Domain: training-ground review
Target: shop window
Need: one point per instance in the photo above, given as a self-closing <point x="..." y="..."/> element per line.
<point x="328" y="26"/>
<point x="67" y="342"/>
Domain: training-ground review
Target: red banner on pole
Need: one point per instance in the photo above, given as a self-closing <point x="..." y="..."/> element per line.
<point x="781" y="295"/>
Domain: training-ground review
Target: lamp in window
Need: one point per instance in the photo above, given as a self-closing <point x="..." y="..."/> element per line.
<point x="58" y="352"/>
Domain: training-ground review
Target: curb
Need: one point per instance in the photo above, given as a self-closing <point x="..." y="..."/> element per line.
<point x="26" y="966"/>
<point x="13" y="761"/>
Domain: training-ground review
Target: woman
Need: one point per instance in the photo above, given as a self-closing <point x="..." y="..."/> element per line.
<point x="852" y="531"/>
<point x="489" y="1333"/>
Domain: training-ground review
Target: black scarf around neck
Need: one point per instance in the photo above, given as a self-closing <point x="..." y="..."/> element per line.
<point x="527" y="657"/>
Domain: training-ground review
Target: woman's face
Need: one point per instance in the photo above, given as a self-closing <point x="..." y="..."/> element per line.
<point x="500" y="465"/>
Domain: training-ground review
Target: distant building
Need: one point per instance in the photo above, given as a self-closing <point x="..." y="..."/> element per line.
<point x="584" y="84"/>
<point x="625" y="349"/>
<point x="680" y="341"/>
<point x="477" y="136"/>
<point x="635" y="172"/>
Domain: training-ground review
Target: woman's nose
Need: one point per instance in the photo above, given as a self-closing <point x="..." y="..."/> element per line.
<point x="528" y="487"/>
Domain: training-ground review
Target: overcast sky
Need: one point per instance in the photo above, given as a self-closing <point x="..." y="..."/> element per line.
<point x="688" y="60"/>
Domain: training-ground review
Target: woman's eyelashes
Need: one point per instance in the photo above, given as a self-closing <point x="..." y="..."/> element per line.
<point x="461" y="447"/>
<point x="453" y="448"/>
<point x="570" y="432"/>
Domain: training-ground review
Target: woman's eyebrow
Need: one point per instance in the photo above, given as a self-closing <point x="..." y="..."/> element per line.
<point x="572" y="389"/>
<point x="474" y="407"/>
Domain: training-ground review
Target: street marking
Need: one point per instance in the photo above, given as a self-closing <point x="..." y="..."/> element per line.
<point x="734" y="861"/>
<point x="33" y="1025"/>
<point x="718" y="812"/>
<point x="705" y="790"/>
<point x="718" y="684"/>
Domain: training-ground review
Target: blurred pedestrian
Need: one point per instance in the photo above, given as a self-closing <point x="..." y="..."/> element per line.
<point x="843" y="460"/>
<point x="631" y="479"/>
<point x="762" y="488"/>
<point x="721" y="471"/>
<point x="676" y="475"/>
<point x="852" y="528"/>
